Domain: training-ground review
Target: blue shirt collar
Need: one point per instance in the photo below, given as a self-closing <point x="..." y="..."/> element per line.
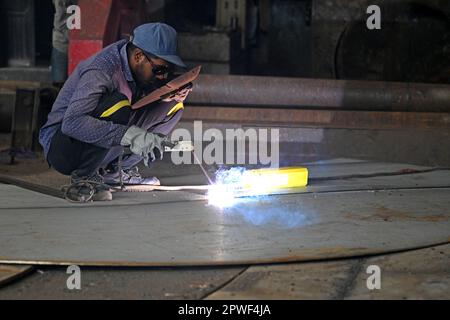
<point x="125" y="66"/>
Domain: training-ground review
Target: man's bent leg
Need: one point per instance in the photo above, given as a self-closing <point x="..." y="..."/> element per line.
<point x="82" y="160"/>
<point x="156" y="118"/>
<point x="68" y="156"/>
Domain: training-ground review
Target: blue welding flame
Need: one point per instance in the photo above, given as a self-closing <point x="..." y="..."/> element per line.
<point x="256" y="209"/>
<point x="265" y="210"/>
<point x="230" y="176"/>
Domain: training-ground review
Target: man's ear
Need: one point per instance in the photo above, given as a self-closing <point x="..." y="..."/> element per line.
<point x="138" y="55"/>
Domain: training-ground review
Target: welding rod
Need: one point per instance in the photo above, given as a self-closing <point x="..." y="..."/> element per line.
<point x="203" y="169"/>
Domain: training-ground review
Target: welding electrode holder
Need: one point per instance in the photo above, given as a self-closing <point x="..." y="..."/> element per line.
<point x="170" y="146"/>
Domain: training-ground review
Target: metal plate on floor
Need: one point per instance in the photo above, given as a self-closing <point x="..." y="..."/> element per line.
<point x="325" y="175"/>
<point x="293" y="227"/>
<point x="10" y="273"/>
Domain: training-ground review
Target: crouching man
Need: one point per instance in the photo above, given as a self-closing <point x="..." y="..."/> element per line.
<point x="92" y="121"/>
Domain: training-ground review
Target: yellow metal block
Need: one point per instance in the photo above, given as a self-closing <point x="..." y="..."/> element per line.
<point x="272" y="179"/>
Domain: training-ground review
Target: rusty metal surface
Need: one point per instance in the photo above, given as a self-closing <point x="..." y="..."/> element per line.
<point x="294" y="227"/>
<point x="335" y="94"/>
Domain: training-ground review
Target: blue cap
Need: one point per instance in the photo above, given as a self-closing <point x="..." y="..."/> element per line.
<point x="158" y="39"/>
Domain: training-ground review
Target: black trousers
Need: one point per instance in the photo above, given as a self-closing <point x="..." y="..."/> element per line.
<point x="68" y="155"/>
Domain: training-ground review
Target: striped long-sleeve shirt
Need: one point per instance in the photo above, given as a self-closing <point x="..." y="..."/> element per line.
<point x="105" y="72"/>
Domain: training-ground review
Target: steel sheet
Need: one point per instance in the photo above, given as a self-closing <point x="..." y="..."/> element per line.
<point x="294" y="227"/>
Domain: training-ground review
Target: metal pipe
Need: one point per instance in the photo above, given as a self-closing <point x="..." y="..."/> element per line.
<point x="320" y="93"/>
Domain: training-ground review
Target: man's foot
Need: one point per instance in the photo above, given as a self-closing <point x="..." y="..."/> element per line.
<point x="129" y="177"/>
<point x="86" y="189"/>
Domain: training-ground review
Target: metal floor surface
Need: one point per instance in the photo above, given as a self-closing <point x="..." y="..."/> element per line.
<point x="356" y="212"/>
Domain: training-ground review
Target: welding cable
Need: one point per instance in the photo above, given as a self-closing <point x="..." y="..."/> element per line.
<point x="72" y="192"/>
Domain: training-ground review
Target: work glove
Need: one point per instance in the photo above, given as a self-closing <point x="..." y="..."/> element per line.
<point x="180" y="95"/>
<point x="145" y="144"/>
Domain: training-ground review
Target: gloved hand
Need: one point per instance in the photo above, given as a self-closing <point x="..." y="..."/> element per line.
<point x="180" y="95"/>
<point x="144" y="143"/>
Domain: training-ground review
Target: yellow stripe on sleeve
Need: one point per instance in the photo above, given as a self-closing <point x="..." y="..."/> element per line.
<point x="119" y="105"/>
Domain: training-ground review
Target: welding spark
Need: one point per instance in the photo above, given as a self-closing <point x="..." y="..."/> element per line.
<point x="223" y="193"/>
<point x="245" y="193"/>
<point x="221" y="196"/>
<point x="238" y="182"/>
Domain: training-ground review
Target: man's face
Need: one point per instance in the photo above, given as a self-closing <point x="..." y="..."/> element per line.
<point x="144" y="69"/>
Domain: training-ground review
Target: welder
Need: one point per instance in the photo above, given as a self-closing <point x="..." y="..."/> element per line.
<point x="92" y="121"/>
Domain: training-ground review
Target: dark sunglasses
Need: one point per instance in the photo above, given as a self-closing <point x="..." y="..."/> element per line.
<point x="157" y="69"/>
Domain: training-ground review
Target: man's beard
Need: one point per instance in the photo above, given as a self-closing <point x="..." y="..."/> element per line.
<point x="141" y="81"/>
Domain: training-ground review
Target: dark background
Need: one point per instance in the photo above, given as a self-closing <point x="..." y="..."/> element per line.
<point x="296" y="38"/>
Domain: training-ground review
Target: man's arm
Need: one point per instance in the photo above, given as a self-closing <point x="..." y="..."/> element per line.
<point x="78" y="124"/>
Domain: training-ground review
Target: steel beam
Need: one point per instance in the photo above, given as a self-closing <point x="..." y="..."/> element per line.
<point x="320" y="93"/>
<point x="318" y="118"/>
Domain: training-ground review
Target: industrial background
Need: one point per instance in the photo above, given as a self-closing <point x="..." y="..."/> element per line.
<point x="366" y="111"/>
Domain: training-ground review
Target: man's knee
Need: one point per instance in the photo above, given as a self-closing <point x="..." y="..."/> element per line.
<point x="160" y="117"/>
<point x="113" y="107"/>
